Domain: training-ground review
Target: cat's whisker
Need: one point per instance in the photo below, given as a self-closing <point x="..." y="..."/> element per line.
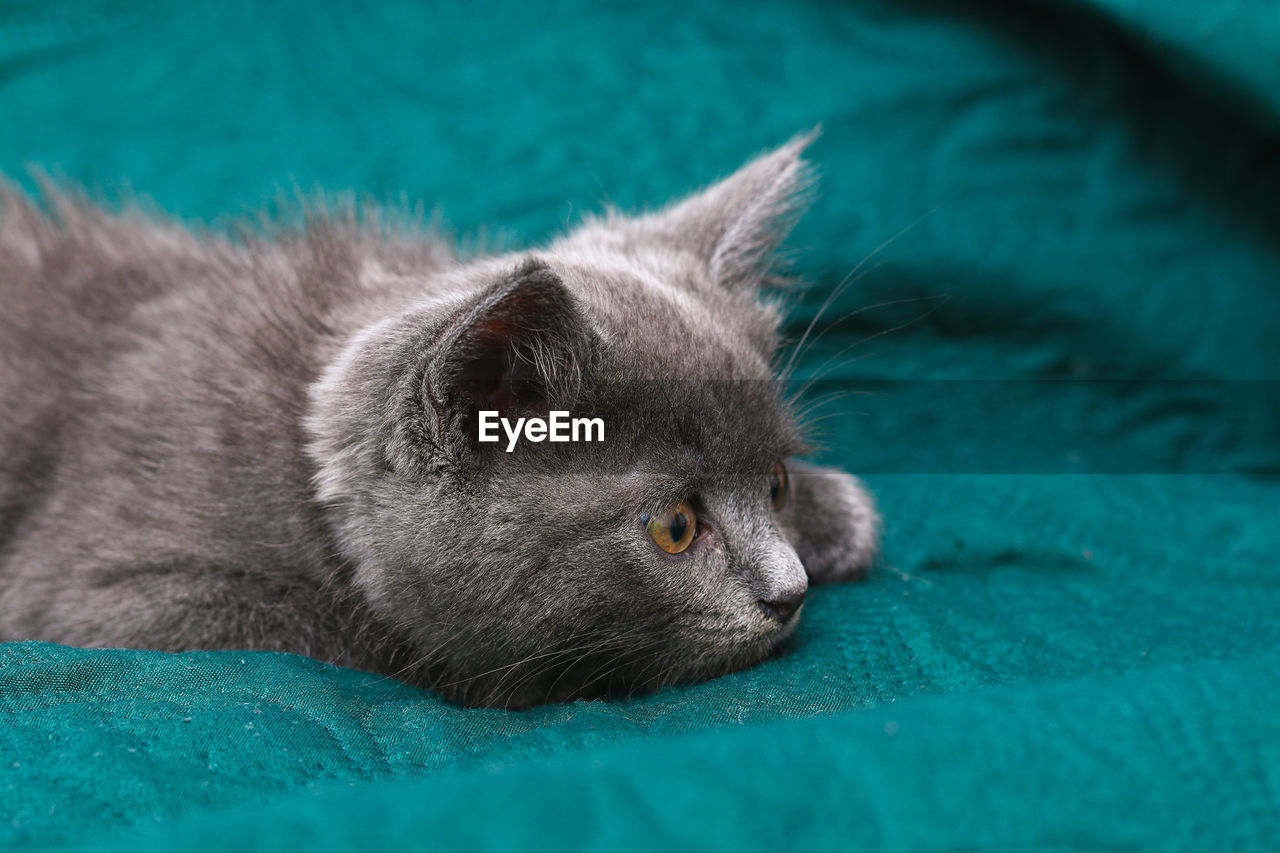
<point x="522" y="662"/>
<point x="649" y="634"/>
<point x="555" y="660"/>
<point x="850" y="279"/>
<point x="658" y="661"/>
<point x="568" y="666"/>
<point x="862" y="310"/>
<point x="429" y="656"/>
<point x="609" y="667"/>
<point x="829" y="365"/>
<point x="822" y="418"/>
<point x="553" y="655"/>
<point x="624" y="640"/>
<point x="801" y="415"/>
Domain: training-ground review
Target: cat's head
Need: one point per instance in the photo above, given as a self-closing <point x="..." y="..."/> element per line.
<point x="567" y="569"/>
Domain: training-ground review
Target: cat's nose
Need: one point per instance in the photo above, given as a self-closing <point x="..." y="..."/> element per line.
<point x="783" y="606"/>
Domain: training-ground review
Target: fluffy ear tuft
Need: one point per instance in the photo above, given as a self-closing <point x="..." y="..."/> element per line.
<point x="736" y="225"/>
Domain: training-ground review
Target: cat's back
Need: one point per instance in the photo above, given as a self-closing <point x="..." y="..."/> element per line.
<point x="71" y="279"/>
<point x="114" y="311"/>
<point x="154" y="381"/>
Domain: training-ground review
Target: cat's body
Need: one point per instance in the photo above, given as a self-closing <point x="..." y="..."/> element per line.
<point x="270" y="444"/>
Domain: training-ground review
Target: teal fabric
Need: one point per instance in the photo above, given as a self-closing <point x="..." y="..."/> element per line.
<point x="1064" y="220"/>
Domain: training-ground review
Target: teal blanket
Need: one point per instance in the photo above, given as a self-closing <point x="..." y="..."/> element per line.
<point x="1065" y="221"/>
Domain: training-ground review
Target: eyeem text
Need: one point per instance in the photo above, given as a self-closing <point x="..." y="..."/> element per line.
<point x="557" y="426"/>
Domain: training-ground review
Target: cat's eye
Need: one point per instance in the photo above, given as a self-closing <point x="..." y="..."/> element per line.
<point x="673" y="530"/>
<point x="778" y="486"/>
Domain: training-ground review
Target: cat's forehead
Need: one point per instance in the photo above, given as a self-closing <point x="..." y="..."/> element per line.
<point x="729" y="427"/>
<point x="674" y="377"/>
<point x="659" y="317"/>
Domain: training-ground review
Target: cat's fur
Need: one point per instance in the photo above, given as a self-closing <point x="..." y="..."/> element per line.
<point x="270" y="444"/>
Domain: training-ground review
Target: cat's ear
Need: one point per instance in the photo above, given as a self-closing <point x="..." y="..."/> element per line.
<point x="515" y="348"/>
<point x="736" y="225"/>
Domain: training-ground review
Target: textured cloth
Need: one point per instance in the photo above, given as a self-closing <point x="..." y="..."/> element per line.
<point x="1072" y="347"/>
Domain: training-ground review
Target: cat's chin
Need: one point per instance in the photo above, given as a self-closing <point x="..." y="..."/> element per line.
<point x="617" y="679"/>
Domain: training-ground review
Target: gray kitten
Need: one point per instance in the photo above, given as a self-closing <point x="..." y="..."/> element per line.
<point x="272" y="443"/>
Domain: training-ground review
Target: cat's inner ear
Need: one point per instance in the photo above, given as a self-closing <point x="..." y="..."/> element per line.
<point x="735" y="226"/>
<point x="516" y="347"/>
<point x="493" y="367"/>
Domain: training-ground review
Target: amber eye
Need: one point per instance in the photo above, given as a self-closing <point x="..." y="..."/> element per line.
<point x="672" y="530"/>
<point x="778" y="486"/>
